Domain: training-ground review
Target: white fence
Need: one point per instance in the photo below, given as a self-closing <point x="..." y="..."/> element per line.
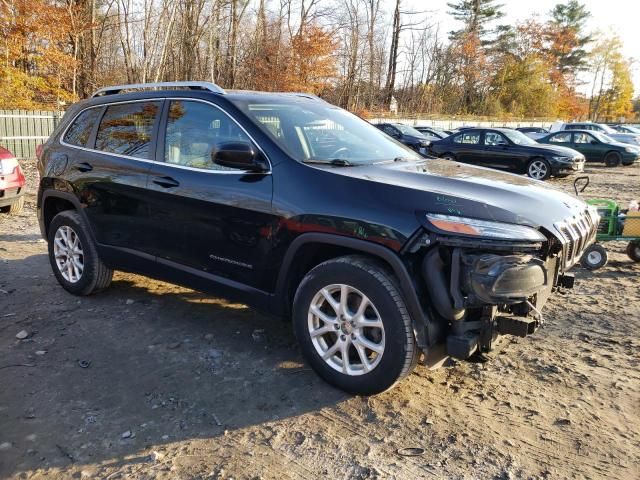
<point x="21" y="131"/>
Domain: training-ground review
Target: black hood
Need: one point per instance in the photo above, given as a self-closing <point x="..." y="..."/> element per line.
<point x="443" y="186"/>
<point x="550" y="150"/>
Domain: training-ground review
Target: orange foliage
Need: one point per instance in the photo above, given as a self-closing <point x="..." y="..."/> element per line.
<point x="36" y="52"/>
<point x="308" y="64"/>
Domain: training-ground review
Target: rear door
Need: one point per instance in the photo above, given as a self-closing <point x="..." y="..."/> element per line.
<point x="110" y="171"/>
<point x="209" y="221"/>
<point x="466" y="147"/>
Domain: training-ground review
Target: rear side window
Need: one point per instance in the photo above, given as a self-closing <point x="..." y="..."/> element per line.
<point x="80" y="130"/>
<point x="473" y="138"/>
<point x="126" y="129"/>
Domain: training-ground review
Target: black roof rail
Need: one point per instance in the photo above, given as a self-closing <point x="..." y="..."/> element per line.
<point x="212" y="87"/>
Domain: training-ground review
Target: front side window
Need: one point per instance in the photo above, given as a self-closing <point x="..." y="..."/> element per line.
<point x="494" y="138"/>
<point x="79" y="131"/>
<point x="561" y="138"/>
<point x="470" y="138"/>
<point x="126" y="129"/>
<point x="196" y="130"/>
<point x="582" y="138"/>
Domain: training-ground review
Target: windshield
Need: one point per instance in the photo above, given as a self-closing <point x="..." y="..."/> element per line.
<point x="407" y="130"/>
<point x="603" y="138"/>
<point x="519" y="138"/>
<point x="315" y="131"/>
<point x="607" y="129"/>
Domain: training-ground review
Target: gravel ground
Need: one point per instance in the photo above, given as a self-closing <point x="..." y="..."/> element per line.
<point x="150" y="380"/>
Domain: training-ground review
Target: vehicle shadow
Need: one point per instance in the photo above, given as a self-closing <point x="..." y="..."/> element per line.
<point x="140" y="365"/>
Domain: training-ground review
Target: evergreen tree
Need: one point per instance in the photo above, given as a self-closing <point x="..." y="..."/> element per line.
<point x="567" y="26"/>
<point x="475" y="15"/>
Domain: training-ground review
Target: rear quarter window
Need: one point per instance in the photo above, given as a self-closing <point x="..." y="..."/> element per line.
<point x="80" y="129"/>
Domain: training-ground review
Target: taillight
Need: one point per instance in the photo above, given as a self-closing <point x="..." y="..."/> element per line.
<point x="39" y="151"/>
<point x="8" y="165"/>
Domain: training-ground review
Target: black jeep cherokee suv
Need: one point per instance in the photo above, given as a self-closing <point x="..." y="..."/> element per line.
<point x="300" y="209"/>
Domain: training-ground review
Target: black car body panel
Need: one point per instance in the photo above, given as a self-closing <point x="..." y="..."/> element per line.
<point x="508" y="156"/>
<point x="251" y="235"/>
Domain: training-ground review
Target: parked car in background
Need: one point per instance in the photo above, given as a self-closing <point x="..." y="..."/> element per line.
<point x="626" y="129"/>
<point x="12" y="183"/>
<point x="507" y="149"/>
<point x="432" y="133"/>
<point x="303" y="210"/>
<point x="595" y="146"/>
<point x="533" y="132"/>
<point x="631" y="138"/>
<point x="407" y="135"/>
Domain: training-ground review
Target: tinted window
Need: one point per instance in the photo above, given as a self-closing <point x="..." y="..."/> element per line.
<point x="195" y="131"/>
<point x="494" y="138"/>
<point x="80" y="130"/>
<point x="561" y="138"/>
<point x="572" y="127"/>
<point x="473" y="137"/>
<point x="126" y="129"/>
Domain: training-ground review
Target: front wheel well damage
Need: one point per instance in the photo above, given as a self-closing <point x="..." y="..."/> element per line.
<point x="309" y="256"/>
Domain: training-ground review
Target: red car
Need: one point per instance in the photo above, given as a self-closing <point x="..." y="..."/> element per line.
<point x="11" y="183"/>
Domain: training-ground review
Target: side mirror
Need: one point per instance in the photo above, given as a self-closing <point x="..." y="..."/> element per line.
<point x="238" y="155"/>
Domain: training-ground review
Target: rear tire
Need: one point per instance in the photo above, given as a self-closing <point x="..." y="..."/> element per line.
<point x="612" y="159"/>
<point x="15" y="208"/>
<point x="594" y="257"/>
<point x="73" y="256"/>
<point x="633" y="250"/>
<point x="351" y="305"/>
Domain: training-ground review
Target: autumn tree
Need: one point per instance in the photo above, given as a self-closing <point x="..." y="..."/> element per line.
<point x="612" y="86"/>
<point x="38" y="64"/>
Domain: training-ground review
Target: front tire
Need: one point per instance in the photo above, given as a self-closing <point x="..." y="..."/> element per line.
<point x="539" y="169"/>
<point x="449" y="156"/>
<point x="594" y="257"/>
<point x="633" y="250"/>
<point x="353" y="326"/>
<point x="73" y="256"/>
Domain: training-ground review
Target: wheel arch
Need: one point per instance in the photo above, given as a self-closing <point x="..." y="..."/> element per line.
<point x="311" y="249"/>
<point x="54" y="202"/>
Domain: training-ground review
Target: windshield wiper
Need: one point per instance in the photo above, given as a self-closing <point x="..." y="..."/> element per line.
<point x="336" y="162"/>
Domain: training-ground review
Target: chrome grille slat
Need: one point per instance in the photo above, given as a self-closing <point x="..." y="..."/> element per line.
<point x="576" y="234"/>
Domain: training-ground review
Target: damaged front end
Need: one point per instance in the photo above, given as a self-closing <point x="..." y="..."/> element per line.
<point x="483" y="279"/>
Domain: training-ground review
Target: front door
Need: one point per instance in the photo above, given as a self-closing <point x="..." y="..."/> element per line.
<point x="497" y="152"/>
<point x="587" y="145"/>
<point x="210" y="221"/>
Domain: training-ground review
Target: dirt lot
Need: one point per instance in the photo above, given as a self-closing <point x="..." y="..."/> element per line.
<point x="150" y="380"/>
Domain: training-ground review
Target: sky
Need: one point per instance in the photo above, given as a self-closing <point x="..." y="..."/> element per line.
<point x="618" y="16"/>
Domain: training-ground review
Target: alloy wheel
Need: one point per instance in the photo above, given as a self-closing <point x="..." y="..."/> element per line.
<point x="68" y="253"/>
<point x="538" y="169"/>
<point x="346" y="329"/>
